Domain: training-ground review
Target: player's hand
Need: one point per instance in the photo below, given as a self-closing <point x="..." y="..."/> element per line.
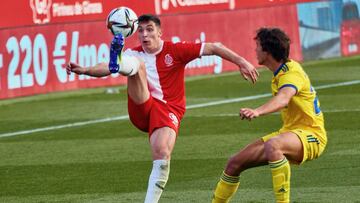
<point x="75" y="68"/>
<point x="249" y="114"/>
<point x="248" y="71"/>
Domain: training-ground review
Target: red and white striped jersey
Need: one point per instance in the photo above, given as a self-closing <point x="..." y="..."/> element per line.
<point x="165" y="70"/>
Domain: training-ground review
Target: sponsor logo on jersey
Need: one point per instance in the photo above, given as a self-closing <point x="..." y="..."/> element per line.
<point x="168" y="60"/>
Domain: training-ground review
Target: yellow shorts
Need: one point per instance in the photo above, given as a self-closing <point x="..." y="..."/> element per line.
<point x="313" y="145"/>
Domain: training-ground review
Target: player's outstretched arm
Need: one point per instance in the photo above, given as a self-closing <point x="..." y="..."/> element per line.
<point x="276" y="103"/>
<point x="247" y="70"/>
<point x="99" y="70"/>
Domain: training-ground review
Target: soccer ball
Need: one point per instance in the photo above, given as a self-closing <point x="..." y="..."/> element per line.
<point x="122" y="20"/>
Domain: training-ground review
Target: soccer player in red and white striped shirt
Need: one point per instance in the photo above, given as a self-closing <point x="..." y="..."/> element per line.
<point x="156" y="90"/>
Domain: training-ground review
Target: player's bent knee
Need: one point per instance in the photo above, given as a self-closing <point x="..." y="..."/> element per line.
<point x="161" y="153"/>
<point x="130" y="65"/>
<point x="272" y="148"/>
<point x="234" y="166"/>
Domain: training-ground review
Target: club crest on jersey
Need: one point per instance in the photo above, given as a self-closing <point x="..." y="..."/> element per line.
<point x="174" y="119"/>
<point x="168" y="60"/>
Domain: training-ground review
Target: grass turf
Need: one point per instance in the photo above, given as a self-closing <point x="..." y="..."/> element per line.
<point x="110" y="161"/>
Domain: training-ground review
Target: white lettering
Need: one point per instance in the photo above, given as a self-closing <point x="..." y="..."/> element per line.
<point x="204" y="61"/>
<point x="27" y="79"/>
<point x="60" y="43"/>
<point x="1" y="61"/>
<point x="83" y="8"/>
<point x="78" y="9"/>
<point x="87" y="57"/>
<point x="73" y="53"/>
<point x="12" y="46"/>
<point x="165" y="4"/>
<point x="40" y="50"/>
<point x="92" y="8"/>
<point x="59" y="9"/>
<point x="103" y="53"/>
<point x="32" y="56"/>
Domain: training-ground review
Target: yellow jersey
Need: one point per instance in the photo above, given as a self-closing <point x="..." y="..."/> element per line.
<point x="303" y="110"/>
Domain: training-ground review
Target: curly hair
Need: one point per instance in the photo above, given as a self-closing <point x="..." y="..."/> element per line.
<point x="274" y="41"/>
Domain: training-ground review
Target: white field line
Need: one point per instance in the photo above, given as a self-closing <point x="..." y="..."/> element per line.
<point x="266" y="95"/>
<point x="64" y="126"/>
<point x="125" y="117"/>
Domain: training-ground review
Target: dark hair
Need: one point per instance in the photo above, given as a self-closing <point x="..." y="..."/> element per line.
<point x="149" y="17"/>
<point x="274" y="41"/>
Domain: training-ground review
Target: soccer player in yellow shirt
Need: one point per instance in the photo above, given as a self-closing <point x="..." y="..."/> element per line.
<point x="302" y="136"/>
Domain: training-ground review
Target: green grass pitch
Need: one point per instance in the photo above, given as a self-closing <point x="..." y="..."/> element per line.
<point x="110" y="161"/>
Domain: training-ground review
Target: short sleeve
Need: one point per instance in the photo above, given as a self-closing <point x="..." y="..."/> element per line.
<point x="291" y="79"/>
<point x="188" y="51"/>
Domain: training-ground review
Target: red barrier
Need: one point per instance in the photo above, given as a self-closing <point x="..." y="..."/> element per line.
<point x="30" y="12"/>
<point x="183" y="6"/>
<point x="234" y="29"/>
<point x="32" y="59"/>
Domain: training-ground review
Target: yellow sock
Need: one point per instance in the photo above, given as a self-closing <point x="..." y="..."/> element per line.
<point x="280" y="171"/>
<point x="225" y="188"/>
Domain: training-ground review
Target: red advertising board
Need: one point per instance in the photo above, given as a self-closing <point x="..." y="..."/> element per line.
<point x="236" y="34"/>
<point x="195" y="6"/>
<point x="33" y="58"/>
<point x="32" y="12"/>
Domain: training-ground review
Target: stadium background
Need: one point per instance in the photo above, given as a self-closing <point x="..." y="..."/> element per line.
<point x="38" y="37"/>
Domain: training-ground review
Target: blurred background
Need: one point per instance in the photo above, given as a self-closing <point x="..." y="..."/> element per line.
<point x="38" y="37"/>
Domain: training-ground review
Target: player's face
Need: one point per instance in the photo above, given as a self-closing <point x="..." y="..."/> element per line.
<point x="149" y="35"/>
<point x="260" y="54"/>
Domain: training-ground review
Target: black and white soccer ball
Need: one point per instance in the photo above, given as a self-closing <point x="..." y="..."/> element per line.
<point x="122" y="20"/>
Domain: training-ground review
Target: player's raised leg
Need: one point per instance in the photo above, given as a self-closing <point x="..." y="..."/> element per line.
<point x="138" y="87"/>
<point x="129" y="66"/>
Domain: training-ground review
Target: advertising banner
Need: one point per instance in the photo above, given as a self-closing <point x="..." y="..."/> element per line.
<point x="196" y="6"/>
<point x="33" y="58"/>
<point x="36" y="12"/>
<point x="236" y="34"/>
